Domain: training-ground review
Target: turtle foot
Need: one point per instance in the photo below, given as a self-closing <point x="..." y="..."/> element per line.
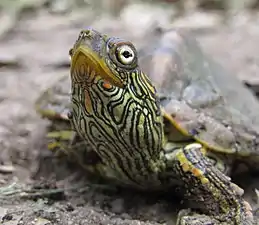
<point x="214" y="199"/>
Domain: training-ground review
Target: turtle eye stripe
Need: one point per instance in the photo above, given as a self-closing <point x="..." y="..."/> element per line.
<point x="111" y="42"/>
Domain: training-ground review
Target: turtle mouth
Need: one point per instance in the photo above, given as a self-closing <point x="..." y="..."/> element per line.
<point x="87" y="64"/>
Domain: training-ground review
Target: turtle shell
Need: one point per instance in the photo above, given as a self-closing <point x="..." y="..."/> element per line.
<point x="54" y="103"/>
<point x="200" y="100"/>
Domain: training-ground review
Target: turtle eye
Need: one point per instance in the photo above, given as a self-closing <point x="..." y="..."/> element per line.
<point x="125" y="54"/>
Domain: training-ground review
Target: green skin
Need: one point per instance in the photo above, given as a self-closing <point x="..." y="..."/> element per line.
<point x="119" y="120"/>
<point x="123" y="124"/>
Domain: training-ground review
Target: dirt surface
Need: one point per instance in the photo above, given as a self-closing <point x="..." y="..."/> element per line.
<point x="32" y="57"/>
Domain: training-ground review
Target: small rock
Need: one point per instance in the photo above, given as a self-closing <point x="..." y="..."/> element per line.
<point x="3" y="213"/>
<point x="6" y="169"/>
<point x="9" y="61"/>
<point x="42" y="221"/>
<point x="117" y="206"/>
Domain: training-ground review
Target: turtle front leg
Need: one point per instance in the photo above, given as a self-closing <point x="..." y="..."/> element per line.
<point x="69" y="144"/>
<point x="212" y="195"/>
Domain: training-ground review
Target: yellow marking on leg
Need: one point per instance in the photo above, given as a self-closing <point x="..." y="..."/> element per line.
<point x="63" y="135"/>
<point x="187" y="166"/>
<point x="53" y="145"/>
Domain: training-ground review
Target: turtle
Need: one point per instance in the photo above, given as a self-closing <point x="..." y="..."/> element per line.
<point x="172" y="119"/>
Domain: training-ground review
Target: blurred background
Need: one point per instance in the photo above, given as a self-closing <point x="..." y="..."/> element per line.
<point x="35" y="36"/>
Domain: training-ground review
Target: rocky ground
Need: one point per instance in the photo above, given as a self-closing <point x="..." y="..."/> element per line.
<point x="37" y="188"/>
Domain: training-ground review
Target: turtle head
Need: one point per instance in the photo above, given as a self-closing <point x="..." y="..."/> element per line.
<point x="95" y="56"/>
<point x="115" y="106"/>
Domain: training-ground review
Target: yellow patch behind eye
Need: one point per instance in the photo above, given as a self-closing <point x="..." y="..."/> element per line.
<point x="88" y="102"/>
<point x="107" y="85"/>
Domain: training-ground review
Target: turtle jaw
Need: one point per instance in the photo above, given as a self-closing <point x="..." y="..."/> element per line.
<point x="87" y="64"/>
